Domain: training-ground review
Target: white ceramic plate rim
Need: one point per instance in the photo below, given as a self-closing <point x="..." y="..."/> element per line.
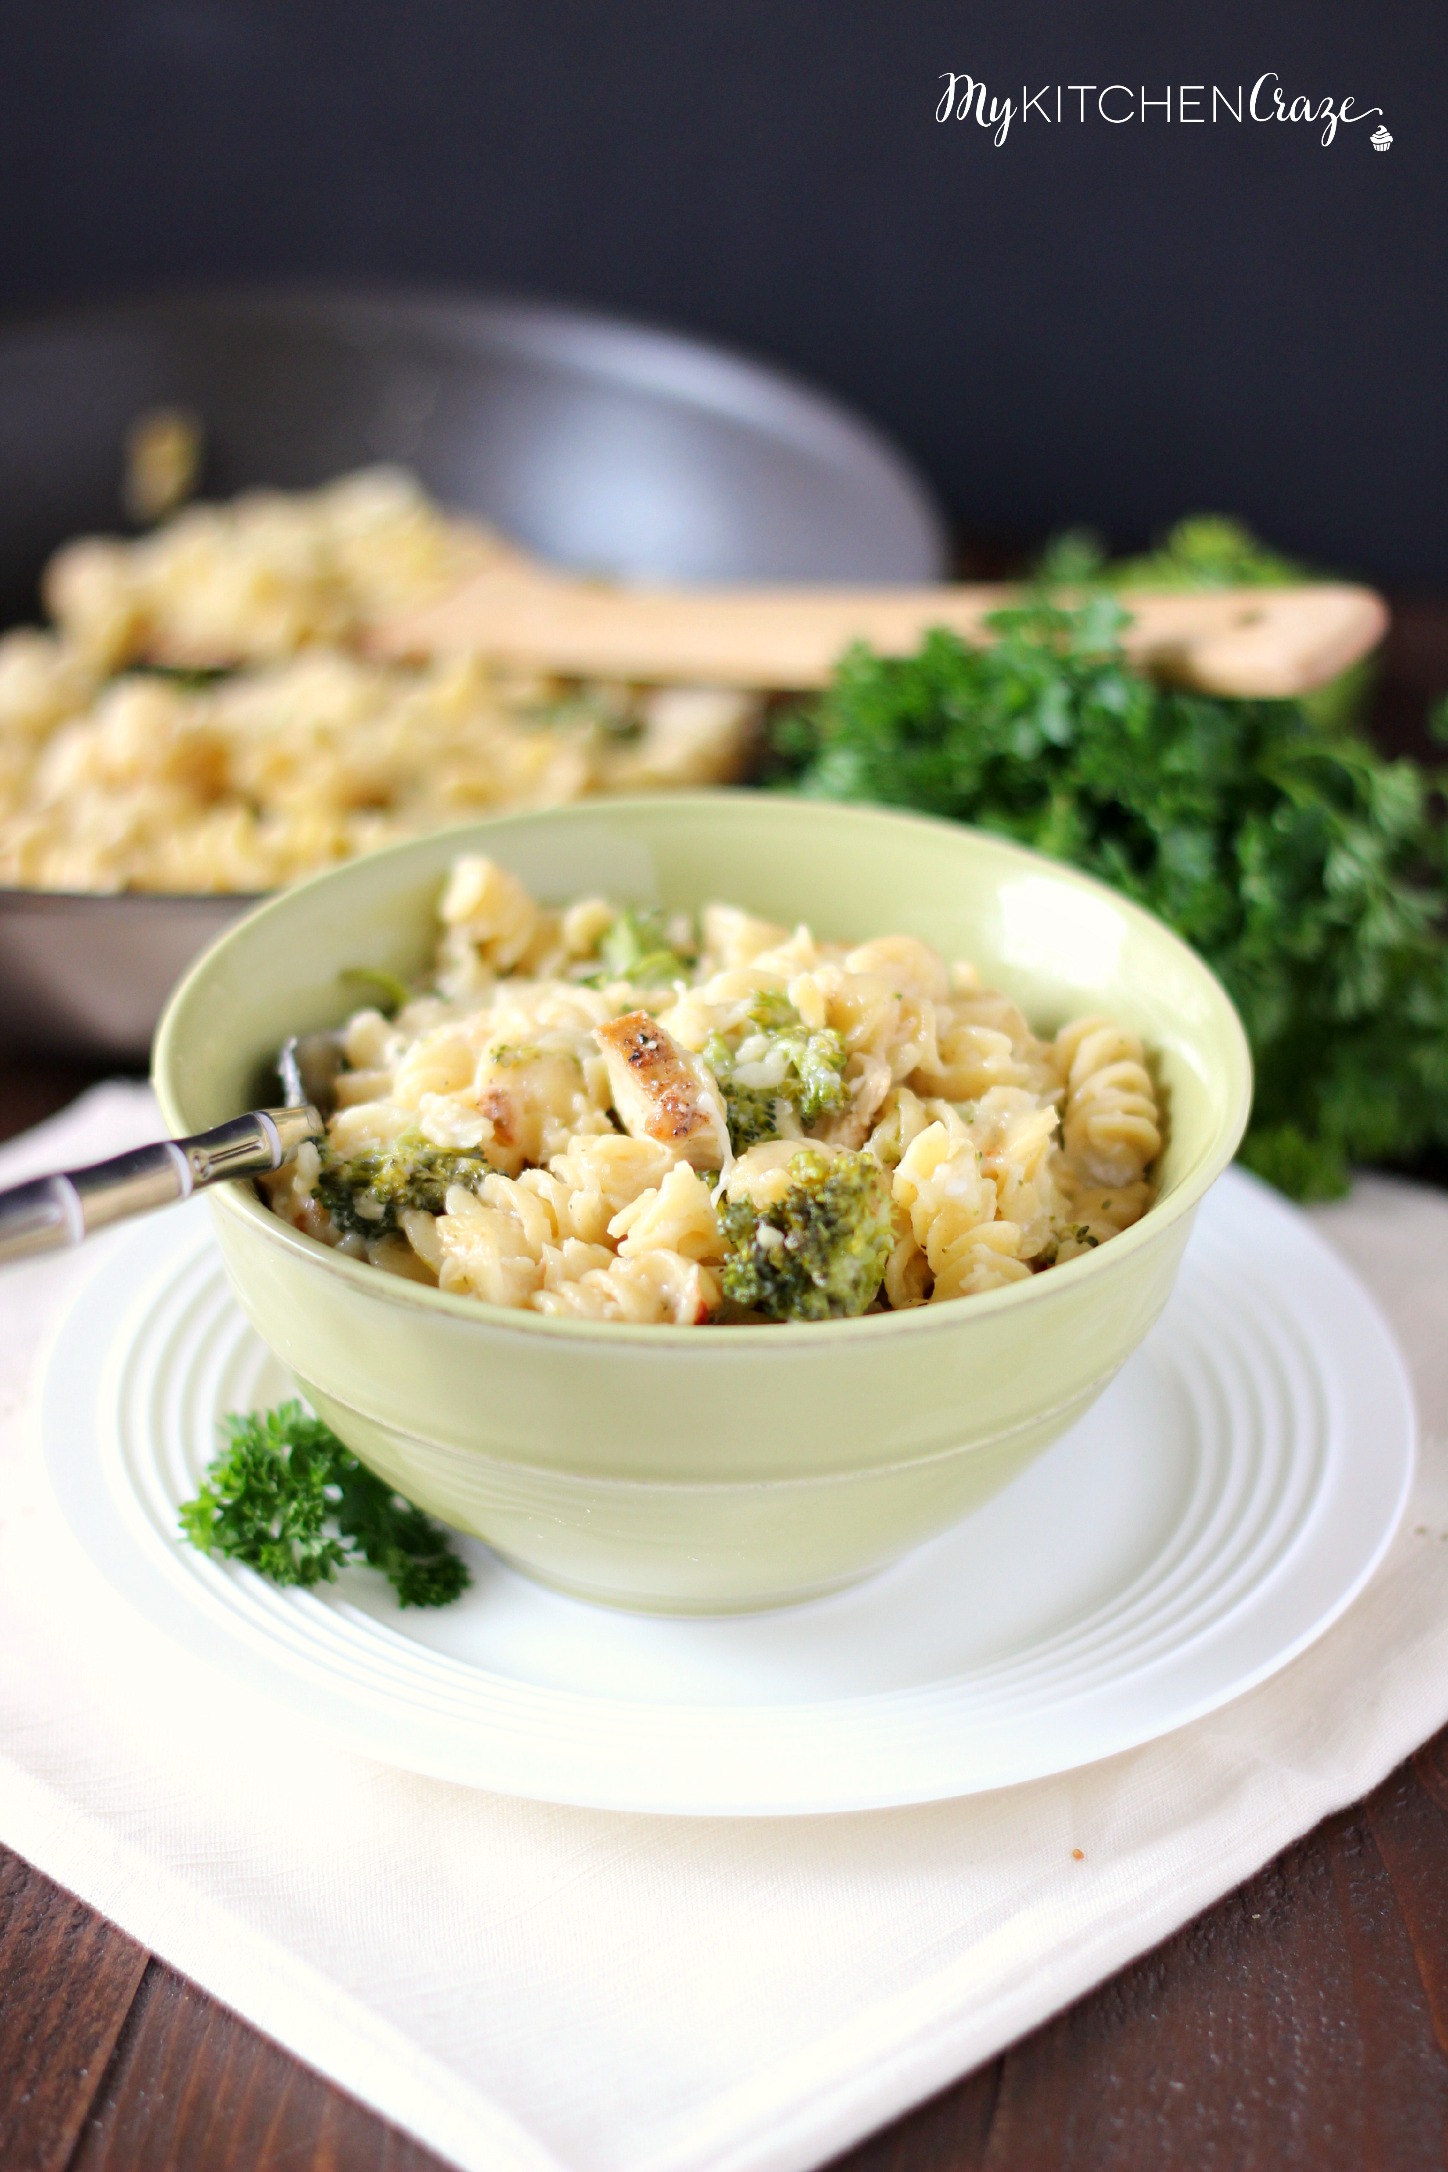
<point x="847" y="1754"/>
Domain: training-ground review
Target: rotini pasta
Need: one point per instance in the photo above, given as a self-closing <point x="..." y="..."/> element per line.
<point x="599" y="1114"/>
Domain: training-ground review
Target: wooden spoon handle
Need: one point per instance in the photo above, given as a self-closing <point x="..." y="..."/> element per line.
<point x="1250" y="641"/>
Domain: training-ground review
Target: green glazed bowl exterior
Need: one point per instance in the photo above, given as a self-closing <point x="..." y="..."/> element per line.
<point x="706" y="1469"/>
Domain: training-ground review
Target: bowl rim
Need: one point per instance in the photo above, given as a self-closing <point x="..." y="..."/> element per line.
<point x="242" y="1200"/>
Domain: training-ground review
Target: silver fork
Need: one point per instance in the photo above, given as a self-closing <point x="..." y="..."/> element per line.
<point x="51" y="1212"/>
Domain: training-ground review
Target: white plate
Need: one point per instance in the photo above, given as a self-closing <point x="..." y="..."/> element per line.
<point x="1215" y="1511"/>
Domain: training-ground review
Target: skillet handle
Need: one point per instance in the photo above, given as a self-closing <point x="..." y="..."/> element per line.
<point x="51" y="1213"/>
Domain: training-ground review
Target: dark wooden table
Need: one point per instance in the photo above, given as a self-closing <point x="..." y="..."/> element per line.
<point x="1301" y="2025"/>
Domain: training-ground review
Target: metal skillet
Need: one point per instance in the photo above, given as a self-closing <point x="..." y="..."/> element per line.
<point x="596" y="443"/>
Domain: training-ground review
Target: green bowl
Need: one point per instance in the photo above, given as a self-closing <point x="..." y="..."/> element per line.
<point x="709" y="1470"/>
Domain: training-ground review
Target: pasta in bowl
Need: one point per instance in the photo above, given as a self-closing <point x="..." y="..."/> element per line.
<point x="618" y="1446"/>
<point x="597" y="1114"/>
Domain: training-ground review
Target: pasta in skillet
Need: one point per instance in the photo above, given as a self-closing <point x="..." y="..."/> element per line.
<point x="599" y="1114"/>
<point x="204" y="714"/>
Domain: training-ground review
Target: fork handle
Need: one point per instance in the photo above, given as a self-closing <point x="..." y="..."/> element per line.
<point x="52" y="1212"/>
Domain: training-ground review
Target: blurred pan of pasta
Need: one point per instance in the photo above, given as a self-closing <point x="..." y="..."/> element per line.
<point x="200" y="716"/>
<point x="601" y="1113"/>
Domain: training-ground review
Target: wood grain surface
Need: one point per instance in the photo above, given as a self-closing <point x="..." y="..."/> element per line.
<point x="1300" y="2025"/>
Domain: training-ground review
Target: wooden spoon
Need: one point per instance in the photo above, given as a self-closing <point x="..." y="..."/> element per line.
<point x="1244" y="641"/>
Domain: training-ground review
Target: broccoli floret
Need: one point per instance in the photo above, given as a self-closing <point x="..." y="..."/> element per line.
<point x="751" y="1113"/>
<point x="820" y="1252"/>
<point x="819" y="1066"/>
<point x="635" y="947"/>
<point x="365" y="1194"/>
<point x="809" y="1067"/>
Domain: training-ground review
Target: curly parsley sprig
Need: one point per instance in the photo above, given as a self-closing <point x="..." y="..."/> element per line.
<point x="285" y="1498"/>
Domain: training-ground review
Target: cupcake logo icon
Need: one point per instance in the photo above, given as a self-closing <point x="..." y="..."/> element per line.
<point x="1380" y="139"/>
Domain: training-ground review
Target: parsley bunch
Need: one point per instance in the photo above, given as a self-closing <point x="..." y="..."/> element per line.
<point x="1203" y="552"/>
<point x="288" y="1500"/>
<point x="1307" y="869"/>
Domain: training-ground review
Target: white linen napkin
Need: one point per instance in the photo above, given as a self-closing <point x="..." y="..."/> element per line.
<point x="522" y="1986"/>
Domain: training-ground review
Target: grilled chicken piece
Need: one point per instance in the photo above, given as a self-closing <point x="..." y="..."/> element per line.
<point x="662" y="1092"/>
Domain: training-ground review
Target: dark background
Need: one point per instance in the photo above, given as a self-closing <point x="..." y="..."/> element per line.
<point x="1117" y="325"/>
<point x="1114" y="325"/>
